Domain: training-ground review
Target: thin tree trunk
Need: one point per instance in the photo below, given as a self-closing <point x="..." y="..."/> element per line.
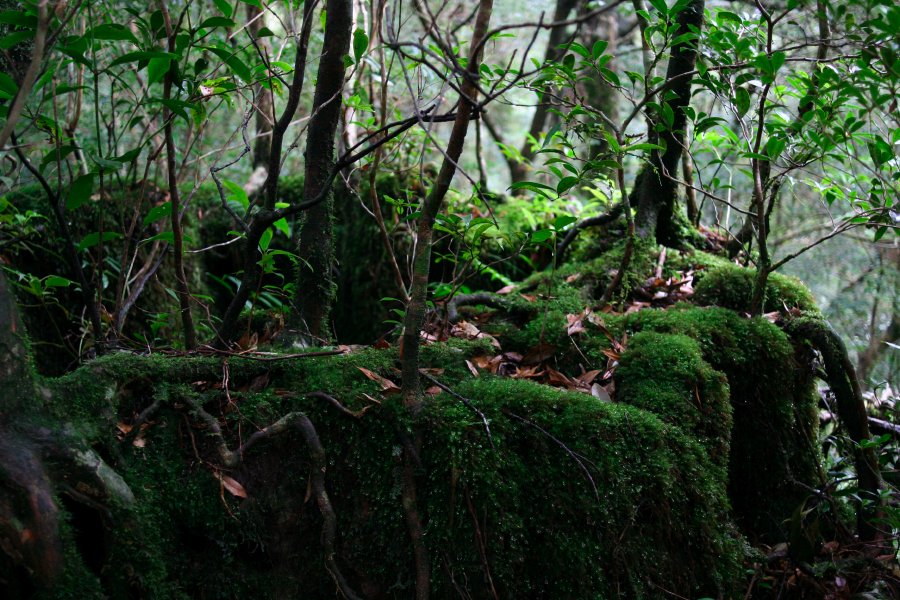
<point x="181" y="286"/>
<point x="542" y="110"/>
<point x="655" y="191"/>
<point x="411" y="390"/>
<point x="265" y="104"/>
<point x="315" y="284"/>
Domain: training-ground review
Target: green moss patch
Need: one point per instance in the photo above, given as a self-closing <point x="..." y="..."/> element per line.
<point x="731" y="287"/>
<point x="569" y="497"/>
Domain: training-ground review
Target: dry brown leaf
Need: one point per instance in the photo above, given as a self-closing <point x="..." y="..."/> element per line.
<point x="574" y="324"/>
<point x="538" y="354"/>
<point x="506" y="289"/>
<point x="234" y="488"/>
<point x="123" y="427"/>
<point x="588" y="378"/>
<point x="472" y="368"/>
<point x="573" y="278"/>
<point x="433" y="390"/>
<point x="387" y="386"/>
<point x="527" y="373"/>
<point x="611" y="354"/>
<point x="554" y="377"/>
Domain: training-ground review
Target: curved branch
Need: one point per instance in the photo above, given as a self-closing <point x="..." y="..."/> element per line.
<point x="597" y="221"/>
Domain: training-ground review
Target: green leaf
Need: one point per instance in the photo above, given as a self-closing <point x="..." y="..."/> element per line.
<point x="92" y="239"/>
<point x="141" y="55"/>
<point x="565" y="184"/>
<point x="550" y="135"/>
<point x="777" y="61"/>
<point x="774" y="147"/>
<point x="660" y="6"/>
<point x="282" y="226"/>
<point x="741" y="101"/>
<point x="265" y="239"/>
<point x="15" y="38"/>
<point x="613" y="142"/>
<point x="533" y="186"/>
<point x="158" y="212"/>
<point x="562" y="222"/>
<point x="236" y="65"/>
<point x="8" y="87"/>
<point x="112" y="31"/>
<point x="225" y="7"/>
<point x="237" y="193"/>
<point x="157" y="68"/>
<point x="541" y="235"/>
<point x="105" y="164"/>
<point x="56" y="281"/>
<point x="642" y="146"/>
<point x="213" y="22"/>
<point x="80" y="191"/>
<point x="18" y="17"/>
<point x="360" y="43"/>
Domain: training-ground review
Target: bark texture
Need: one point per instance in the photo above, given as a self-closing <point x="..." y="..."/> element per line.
<point x="655" y="190"/>
<point x="315" y="284"/>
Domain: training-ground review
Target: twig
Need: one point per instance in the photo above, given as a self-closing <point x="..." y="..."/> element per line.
<point x="559" y="443"/>
<point x="466" y="401"/>
<point x="596" y="221"/>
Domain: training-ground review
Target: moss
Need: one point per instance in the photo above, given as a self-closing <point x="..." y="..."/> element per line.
<point x="546" y="534"/>
<point x="666" y="375"/>
<point x="773" y="456"/>
<point x="731" y="287"/>
<point x="524" y="509"/>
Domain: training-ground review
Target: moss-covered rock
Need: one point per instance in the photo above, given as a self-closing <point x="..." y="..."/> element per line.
<point x="731" y="287"/>
<point x="666" y="375"/>
<point x="569" y="497"/>
<point x="774" y="456"/>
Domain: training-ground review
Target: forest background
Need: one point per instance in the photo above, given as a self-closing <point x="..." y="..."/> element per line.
<point x="523" y="187"/>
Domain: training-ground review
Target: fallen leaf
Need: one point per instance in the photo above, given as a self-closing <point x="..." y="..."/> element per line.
<point x="599" y="392"/>
<point x="588" y="378"/>
<point x="506" y="289"/>
<point x="472" y="368"/>
<point x="539" y="354"/>
<point x="387" y="386"/>
<point x="234" y="488"/>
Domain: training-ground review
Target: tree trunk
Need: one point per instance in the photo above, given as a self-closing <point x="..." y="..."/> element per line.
<point x="542" y="110"/>
<point x="655" y="190"/>
<point x="265" y="106"/>
<point x="315" y="284"/>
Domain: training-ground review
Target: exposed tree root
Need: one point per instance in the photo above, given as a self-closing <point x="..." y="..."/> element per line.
<point x="842" y="378"/>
